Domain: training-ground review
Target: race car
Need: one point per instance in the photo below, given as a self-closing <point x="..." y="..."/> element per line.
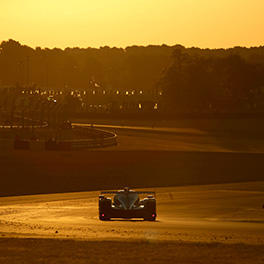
<point x="127" y="204"/>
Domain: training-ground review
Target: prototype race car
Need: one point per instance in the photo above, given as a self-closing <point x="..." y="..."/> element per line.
<point x="127" y="204"/>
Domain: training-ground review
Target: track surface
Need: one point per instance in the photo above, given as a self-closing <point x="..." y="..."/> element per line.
<point x="221" y="223"/>
<point x="185" y="138"/>
<point x="196" y="224"/>
<point x="229" y="213"/>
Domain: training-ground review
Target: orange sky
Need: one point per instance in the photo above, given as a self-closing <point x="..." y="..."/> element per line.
<point x="95" y="23"/>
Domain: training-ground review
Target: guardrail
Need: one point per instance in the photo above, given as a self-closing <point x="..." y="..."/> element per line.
<point x="103" y="139"/>
<point x="100" y="138"/>
<point x="25" y="126"/>
<point x="93" y="143"/>
<point x="81" y="143"/>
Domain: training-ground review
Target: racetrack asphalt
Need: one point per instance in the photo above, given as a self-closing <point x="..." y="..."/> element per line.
<point x="213" y="217"/>
<point x="184" y="138"/>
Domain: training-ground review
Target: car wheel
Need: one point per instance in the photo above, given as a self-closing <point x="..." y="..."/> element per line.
<point x="103" y="218"/>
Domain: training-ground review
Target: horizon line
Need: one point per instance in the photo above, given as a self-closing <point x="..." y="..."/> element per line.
<point x="130" y="46"/>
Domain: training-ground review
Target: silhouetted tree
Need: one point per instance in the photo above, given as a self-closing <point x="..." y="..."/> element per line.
<point x="191" y="79"/>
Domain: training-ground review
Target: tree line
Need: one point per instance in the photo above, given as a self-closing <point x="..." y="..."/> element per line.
<point x="216" y="81"/>
<point x="191" y="79"/>
<point x="133" y="68"/>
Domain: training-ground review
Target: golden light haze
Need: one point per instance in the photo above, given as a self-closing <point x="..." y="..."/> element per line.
<point x="120" y="23"/>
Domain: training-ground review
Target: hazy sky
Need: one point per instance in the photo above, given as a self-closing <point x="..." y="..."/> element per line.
<point x="202" y="23"/>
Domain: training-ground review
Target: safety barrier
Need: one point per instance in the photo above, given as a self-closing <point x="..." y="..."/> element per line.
<point x="97" y="139"/>
<point x="21" y="144"/>
<point x="101" y="139"/>
<point x="45" y="124"/>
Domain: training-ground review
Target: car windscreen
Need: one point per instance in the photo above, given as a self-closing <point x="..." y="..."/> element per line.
<point x="127" y="200"/>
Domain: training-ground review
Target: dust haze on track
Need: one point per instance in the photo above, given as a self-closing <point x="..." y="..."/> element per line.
<point x="229" y="213"/>
<point x="223" y="223"/>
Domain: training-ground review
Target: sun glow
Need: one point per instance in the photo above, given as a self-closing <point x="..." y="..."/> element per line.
<point x="203" y="23"/>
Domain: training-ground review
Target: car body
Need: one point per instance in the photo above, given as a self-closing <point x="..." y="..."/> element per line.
<point x="127" y="204"/>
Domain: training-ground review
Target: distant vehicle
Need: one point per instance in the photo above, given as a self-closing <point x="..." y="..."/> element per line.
<point x="127" y="204"/>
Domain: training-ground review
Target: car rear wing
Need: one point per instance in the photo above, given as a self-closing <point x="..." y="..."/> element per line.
<point x="115" y="192"/>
